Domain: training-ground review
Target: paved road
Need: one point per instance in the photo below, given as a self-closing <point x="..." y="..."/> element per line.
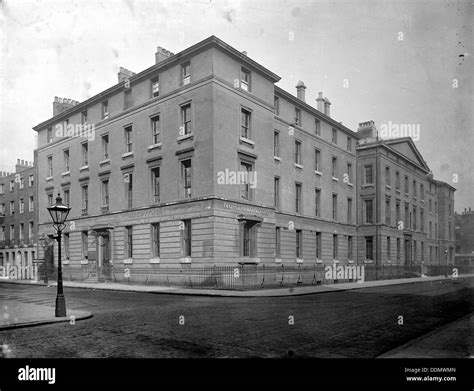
<point x="360" y="324"/>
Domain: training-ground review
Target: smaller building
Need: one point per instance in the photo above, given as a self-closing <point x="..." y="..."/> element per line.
<point x="464" y="238"/>
<point x="18" y="215"/>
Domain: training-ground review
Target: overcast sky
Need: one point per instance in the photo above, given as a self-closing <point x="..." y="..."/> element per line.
<point x="387" y="61"/>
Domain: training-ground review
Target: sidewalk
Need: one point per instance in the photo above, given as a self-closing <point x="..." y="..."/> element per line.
<point x="275" y="292"/>
<point x="16" y="314"/>
<point x="455" y="340"/>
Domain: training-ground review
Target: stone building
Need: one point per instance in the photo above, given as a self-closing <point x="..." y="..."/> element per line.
<point x="18" y="215"/>
<point x="202" y="160"/>
<point x="464" y="237"/>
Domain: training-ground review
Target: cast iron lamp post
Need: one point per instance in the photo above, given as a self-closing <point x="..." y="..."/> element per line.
<point x="59" y="213"/>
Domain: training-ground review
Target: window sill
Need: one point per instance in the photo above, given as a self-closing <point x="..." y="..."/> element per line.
<point x="248" y="260"/>
<point x="388" y="187"/>
<point x="367" y="185"/>
<point x="298" y="166"/>
<point x="407" y="195"/>
<point x="154" y="146"/>
<point x="65" y="262"/>
<point x="244" y="140"/>
<point x="318" y="172"/>
<point x="103" y="162"/>
<point x="104" y="209"/>
<point x="335" y="261"/>
<point x="66" y="173"/>
<point x="128" y="261"/>
<point x="398" y="191"/>
<point x="277" y="158"/>
<point x="154" y="260"/>
<point x="128" y="154"/>
<point x="299" y="260"/>
<point x="84" y="168"/>
<point x="368" y="261"/>
<point x="335" y="179"/>
<point x="277" y="260"/>
<point x="184" y="137"/>
<point x="350" y="184"/>
<point x="185" y="260"/>
<point x="350" y="261"/>
<point x="84" y="261"/>
<point x="49" y="178"/>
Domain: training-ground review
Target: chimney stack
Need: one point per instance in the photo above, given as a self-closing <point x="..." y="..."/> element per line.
<point x="162" y="54"/>
<point x="124" y="74"/>
<point x="367" y="130"/>
<point x="323" y="104"/>
<point x="300" y="90"/>
<point x="21" y="165"/>
<point x="62" y="104"/>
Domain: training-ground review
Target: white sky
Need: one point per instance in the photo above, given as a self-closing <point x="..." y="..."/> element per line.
<point x="74" y="48"/>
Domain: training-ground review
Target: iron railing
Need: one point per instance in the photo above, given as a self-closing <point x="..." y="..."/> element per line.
<point x="243" y="277"/>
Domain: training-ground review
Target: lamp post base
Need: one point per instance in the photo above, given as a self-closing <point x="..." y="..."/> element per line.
<point x="60" y="307"/>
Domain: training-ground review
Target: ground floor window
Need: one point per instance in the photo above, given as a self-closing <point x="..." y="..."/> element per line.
<point x="369" y="248"/>
<point x="128" y="242"/>
<point x="186" y="238"/>
<point x="248" y="233"/>
<point x="299" y="243"/>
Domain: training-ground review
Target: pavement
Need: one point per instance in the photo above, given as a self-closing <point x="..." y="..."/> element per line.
<point x="455" y="340"/>
<point x="17" y="315"/>
<point x="275" y="292"/>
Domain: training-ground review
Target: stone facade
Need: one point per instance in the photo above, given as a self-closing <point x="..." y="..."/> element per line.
<point x="202" y="160"/>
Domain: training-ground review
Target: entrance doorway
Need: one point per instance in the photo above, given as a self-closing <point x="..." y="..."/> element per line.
<point x="104" y="254"/>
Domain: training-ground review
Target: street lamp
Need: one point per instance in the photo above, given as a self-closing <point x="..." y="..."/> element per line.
<point x="44" y="244"/>
<point x="59" y="213"/>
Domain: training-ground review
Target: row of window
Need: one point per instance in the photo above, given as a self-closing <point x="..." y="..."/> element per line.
<point x="21" y="183"/>
<point x="185" y="130"/>
<point x="369" y="247"/>
<point x="248" y="246"/>
<point x="317" y="201"/>
<point x="318" y="167"/>
<point x="128" y="101"/>
<point x="185" y="184"/>
<point x="298" y="121"/>
<point x="185" y="238"/>
<point x="21" y="232"/>
<point x="31" y="206"/>
<point x="185" y="74"/>
<point x="369" y="180"/>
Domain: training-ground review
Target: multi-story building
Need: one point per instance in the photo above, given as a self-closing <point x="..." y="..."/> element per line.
<point x="202" y="160"/>
<point x="18" y="215"/>
<point x="464" y="238"/>
<point x="404" y="215"/>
